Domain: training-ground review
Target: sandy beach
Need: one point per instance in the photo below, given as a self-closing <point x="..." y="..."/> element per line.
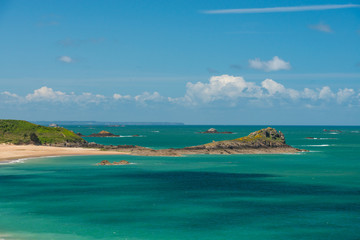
<point x="13" y="152"/>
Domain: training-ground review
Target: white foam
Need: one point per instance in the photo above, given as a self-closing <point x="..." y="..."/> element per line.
<point x="22" y="160"/>
<point x="321" y="145"/>
<point x="130" y="136"/>
<point x="322" y="138"/>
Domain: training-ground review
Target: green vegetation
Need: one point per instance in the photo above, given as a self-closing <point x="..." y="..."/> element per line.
<point x="268" y="134"/>
<point x="23" y="132"/>
<point x="250" y="138"/>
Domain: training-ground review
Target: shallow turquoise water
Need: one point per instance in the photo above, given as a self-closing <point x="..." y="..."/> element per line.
<point x="314" y="195"/>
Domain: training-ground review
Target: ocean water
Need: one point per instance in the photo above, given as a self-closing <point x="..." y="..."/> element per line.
<point x="312" y="195"/>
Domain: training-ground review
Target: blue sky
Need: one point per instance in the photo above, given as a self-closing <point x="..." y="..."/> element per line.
<point x="198" y="62"/>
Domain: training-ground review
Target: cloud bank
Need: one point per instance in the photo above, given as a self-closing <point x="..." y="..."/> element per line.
<point x="224" y="89"/>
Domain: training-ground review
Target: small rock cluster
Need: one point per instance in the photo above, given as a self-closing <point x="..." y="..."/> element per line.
<point x="106" y="162"/>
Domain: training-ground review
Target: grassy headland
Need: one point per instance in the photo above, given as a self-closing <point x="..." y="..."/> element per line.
<point x="23" y="132"/>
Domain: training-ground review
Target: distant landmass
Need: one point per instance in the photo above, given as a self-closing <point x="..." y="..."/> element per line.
<point x="96" y="123"/>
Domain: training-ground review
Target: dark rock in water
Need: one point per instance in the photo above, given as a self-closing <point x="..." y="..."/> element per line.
<point x="103" y="134"/>
<point x="122" y="162"/>
<point x="106" y="162"/>
<point x="213" y="130"/>
<point x="332" y="130"/>
<point x="80" y="135"/>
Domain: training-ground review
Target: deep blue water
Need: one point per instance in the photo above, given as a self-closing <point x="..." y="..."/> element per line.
<point x="314" y="195"/>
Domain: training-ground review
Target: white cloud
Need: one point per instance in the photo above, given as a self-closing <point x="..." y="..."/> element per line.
<point x="273" y="87"/>
<point x="310" y="94"/>
<point x="283" y="9"/>
<point x="321" y="27"/>
<point x="344" y="95"/>
<point x="65" y="59"/>
<point x="274" y="64"/>
<point x="326" y="93"/>
<point x="86" y="98"/>
<point x="221" y="88"/>
<point x="9" y="94"/>
<point x="8" y="97"/>
<point x="277" y="89"/>
<point x="232" y="89"/>
<point x="47" y="94"/>
<point x="117" y="96"/>
<point x="146" y="96"/>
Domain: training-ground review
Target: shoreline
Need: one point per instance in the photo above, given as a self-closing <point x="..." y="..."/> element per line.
<point x="10" y="153"/>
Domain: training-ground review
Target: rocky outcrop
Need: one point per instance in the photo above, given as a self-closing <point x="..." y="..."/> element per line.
<point x="103" y="134"/>
<point x="213" y="130"/>
<point x="106" y="162"/>
<point x="264" y="141"/>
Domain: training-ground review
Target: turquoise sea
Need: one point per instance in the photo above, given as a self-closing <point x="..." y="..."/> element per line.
<point x="312" y="195"/>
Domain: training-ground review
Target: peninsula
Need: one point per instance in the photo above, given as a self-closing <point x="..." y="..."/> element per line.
<point x="54" y="141"/>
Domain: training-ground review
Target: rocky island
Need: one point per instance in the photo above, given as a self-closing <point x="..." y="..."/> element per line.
<point x="264" y="141"/>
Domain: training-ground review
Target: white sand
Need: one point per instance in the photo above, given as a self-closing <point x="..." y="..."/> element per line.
<point x="12" y="152"/>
